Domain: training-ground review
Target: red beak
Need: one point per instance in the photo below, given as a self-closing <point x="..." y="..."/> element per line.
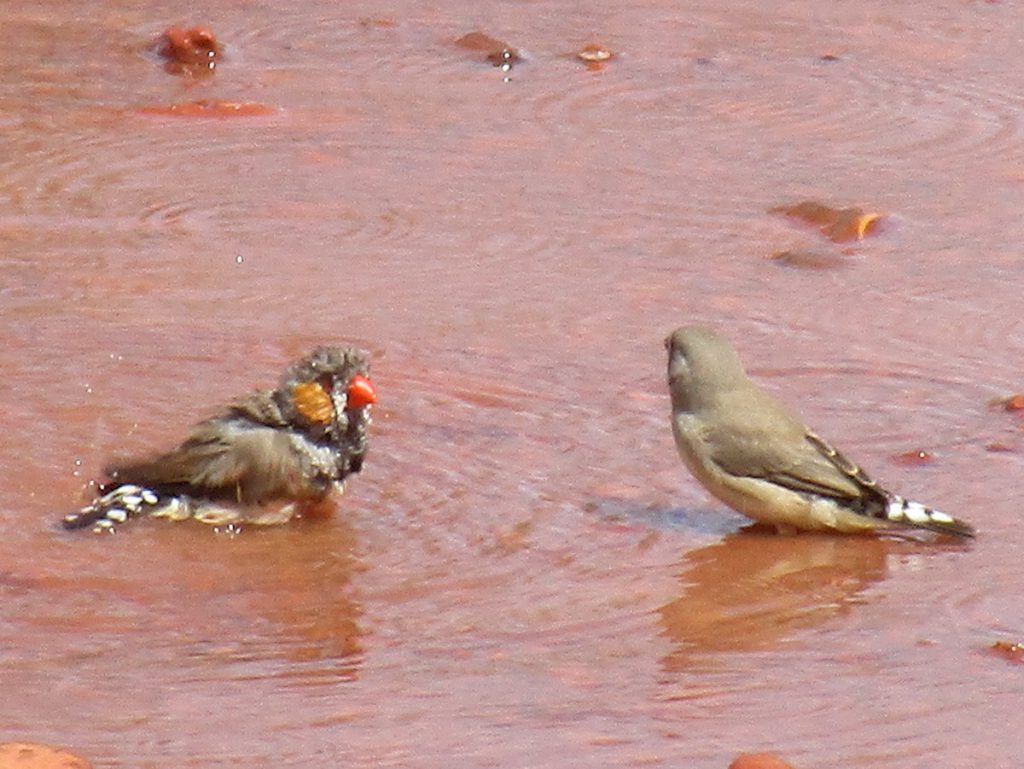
<point x="360" y="392"/>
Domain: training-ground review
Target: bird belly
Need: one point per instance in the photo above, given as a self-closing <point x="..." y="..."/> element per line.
<point x="771" y="503"/>
<point x="785" y="509"/>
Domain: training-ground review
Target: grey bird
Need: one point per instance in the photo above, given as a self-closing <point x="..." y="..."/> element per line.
<point x="258" y="461"/>
<point x="755" y="455"/>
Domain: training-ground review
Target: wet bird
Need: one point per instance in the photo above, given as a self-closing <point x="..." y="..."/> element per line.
<point x="258" y="461"/>
<point x="752" y="453"/>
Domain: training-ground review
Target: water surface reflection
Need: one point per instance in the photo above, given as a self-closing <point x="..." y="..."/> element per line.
<point x="757" y="591"/>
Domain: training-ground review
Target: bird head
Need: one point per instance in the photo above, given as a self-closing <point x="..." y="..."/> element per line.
<point x="328" y="386"/>
<point x="701" y="365"/>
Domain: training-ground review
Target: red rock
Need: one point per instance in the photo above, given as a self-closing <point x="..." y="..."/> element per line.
<point x="837" y="224"/>
<point x="1009" y="650"/>
<point x="759" y="761"/>
<point x="1014" y="403"/>
<point x="497" y="52"/>
<point x="595" y="56"/>
<point x="192" y="51"/>
<point x="913" y="458"/>
<point x="24" y="755"/>
<point x="999" y="447"/>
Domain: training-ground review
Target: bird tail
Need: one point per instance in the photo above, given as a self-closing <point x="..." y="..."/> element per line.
<point x="903" y="511"/>
<point x="123" y="501"/>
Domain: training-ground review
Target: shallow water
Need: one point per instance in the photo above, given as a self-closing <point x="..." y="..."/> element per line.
<point x="524" y="574"/>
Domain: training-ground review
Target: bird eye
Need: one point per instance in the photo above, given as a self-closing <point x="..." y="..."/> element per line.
<point x="677" y="354"/>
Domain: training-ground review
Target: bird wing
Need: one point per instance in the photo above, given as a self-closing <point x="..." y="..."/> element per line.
<point x="259" y="406"/>
<point x="249" y="464"/>
<point x="770" y="443"/>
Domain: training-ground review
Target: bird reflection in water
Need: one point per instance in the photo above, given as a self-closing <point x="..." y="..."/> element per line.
<point x="755" y="589"/>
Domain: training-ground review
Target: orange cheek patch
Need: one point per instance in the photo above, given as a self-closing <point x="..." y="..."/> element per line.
<point x="313" y="402"/>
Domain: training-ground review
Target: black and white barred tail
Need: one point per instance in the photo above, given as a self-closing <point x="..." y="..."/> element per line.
<point x="123" y="502"/>
<point x="900" y="510"/>
<point x="129" y="500"/>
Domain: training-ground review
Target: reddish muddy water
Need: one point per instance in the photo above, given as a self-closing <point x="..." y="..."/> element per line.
<point x="524" y="575"/>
